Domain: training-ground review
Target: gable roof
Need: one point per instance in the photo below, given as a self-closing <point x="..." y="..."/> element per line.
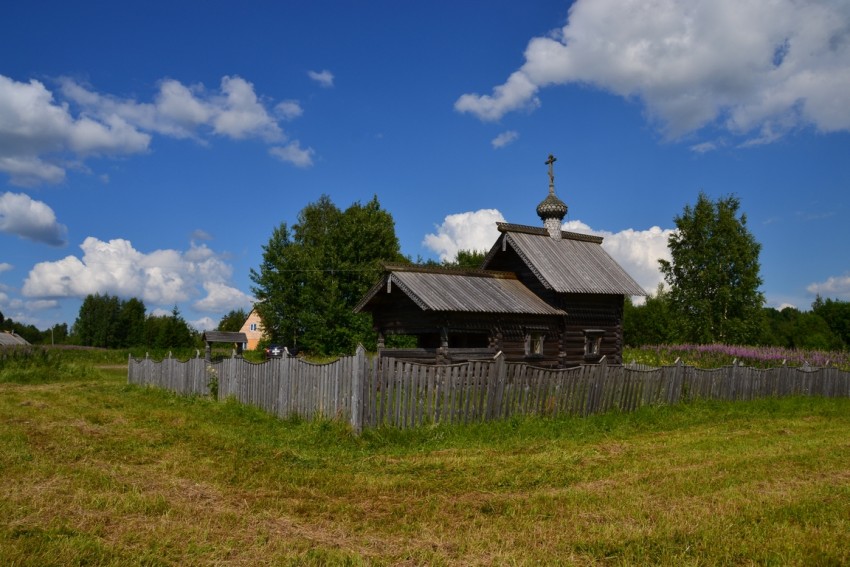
<point x="8" y="338"/>
<point x="224" y="337"/>
<point x="470" y="291"/>
<point x="575" y="264"/>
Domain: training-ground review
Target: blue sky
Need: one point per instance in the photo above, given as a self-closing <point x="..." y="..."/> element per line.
<point x="150" y="151"/>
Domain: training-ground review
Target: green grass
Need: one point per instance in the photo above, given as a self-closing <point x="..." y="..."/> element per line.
<point x="96" y="472"/>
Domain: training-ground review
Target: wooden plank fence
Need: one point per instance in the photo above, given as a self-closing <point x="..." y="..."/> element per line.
<point x="371" y="392"/>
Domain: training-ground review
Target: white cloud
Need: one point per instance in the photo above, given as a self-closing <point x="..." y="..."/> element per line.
<point x="288" y="109"/>
<point x="42" y="304"/>
<point x="704" y="147"/>
<point x="5" y="267"/>
<point x="324" y="78"/>
<point x="161" y="277"/>
<point x="293" y="154"/>
<point x="33" y="220"/>
<point x="504" y="139"/>
<point x="765" y="66"/>
<point x="240" y="113"/>
<point x="200" y="234"/>
<point x="222" y="298"/>
<point x="32" y="124"/>
<point x="472" y="230"/>
<point x="837" y="287"/>
<point x="41" y="131"/>
<point x="204" y="324"/>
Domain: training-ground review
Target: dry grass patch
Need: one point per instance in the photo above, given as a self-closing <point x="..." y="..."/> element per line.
<point x="101" y="473"/>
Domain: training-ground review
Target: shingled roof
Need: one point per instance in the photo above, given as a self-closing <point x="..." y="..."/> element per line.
<point x="470" y="291"/>
<point x="574" y="264"/>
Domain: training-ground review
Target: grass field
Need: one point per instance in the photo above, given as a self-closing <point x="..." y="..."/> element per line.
<point x="95" y="472"/>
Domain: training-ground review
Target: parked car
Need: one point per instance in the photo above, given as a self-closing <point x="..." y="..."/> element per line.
<point x="275" y="351"/>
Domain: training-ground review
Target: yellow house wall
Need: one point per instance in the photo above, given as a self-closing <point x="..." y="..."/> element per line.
<point x="256" y="335"/>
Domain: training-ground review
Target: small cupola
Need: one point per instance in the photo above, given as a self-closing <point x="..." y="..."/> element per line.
<point x="552" y="210"/>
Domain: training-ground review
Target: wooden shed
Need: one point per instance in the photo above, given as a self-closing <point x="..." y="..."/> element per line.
<point x="543" y="295"/>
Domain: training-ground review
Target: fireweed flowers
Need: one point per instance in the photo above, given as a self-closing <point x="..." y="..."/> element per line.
<point x="716" y="355"/>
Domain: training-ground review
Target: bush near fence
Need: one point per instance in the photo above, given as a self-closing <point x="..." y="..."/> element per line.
<point x="371" y="392"/>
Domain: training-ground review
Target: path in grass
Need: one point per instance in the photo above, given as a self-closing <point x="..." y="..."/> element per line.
<point x="98" y="472"/>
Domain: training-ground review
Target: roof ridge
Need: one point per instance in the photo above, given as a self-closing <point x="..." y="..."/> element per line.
<point x="471" y="272"/>
<point x="539" y="231"/>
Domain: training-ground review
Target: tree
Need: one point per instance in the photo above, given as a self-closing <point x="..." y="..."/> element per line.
<point x="467" y="259"/>
<point x="837" y="315"/>
<point x="313" y="275"/>
<point x="97" y="322"/>
<point x="714" y="274"/>
<point x="650" y="323"/>
<point x="791" y="328"/>
<point x="233" y="320"/>
<point x="108" y="322"/>
<point x="168" y="331"/>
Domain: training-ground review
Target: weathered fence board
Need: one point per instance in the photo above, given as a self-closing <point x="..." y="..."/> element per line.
<point x="385" y="391"/>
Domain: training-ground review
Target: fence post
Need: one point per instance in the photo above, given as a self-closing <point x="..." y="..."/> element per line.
<point x="495" y="387"/>
<point x="357" y="389"/>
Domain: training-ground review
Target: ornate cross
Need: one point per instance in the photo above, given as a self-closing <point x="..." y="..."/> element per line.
<point x="551" y="162"/>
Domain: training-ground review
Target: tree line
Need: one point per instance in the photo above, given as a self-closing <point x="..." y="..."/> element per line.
<point x="314" y="272"/>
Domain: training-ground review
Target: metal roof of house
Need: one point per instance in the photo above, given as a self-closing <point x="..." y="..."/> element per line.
<point x="575" y="264"/>
<point x="12" y="339"/>
<point x="470" y="291"/>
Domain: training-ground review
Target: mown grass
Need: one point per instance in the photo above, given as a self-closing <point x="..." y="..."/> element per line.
<point x="97" y="472"/>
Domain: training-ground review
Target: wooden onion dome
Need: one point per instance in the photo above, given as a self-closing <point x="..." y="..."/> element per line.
<point x="552" y="210"/>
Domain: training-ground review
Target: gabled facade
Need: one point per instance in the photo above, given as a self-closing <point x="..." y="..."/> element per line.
<point x="253" y="330"/>
<point x="543" y="295"/>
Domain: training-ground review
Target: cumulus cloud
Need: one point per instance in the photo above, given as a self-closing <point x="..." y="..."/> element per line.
<point x="204" y="324"/>
<point x="833" y="287"/>
<point x="222" y="298"/>
<point x="5" y="267"/>
<point x="288" y="109"/>
<point x="294" y="154"/>
<point x="504" y="139"/>
<point x="637" y="251"/>
<point x="161" y="277"/>
<point x="324" y="78"/>
<point x="472" y="230"/>
<point x="33" y="220"/>
<point x="41" y="131"/>
<point x="749" y="66"/>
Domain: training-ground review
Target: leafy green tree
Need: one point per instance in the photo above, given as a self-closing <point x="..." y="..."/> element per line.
<point x="169" y="331"/>
<point x="837" y="315"/>
<point x="714" y="274"/>
<point x="108" y="322"/>
<point x="467" y="259"/>
<point x="131" y="323"/>
<point x="791" y="328"/>
<point x="233" y="320"/>
<point x="650" y="323"/>
<point x="57" y="334"/>
<point x="97" y="323"/>
<point x="314" y="273"/>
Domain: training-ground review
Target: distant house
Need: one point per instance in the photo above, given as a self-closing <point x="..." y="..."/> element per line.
<point x="542" y="295"/>
<point x="9" y="338"/>
<point x="253" y="329"/>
